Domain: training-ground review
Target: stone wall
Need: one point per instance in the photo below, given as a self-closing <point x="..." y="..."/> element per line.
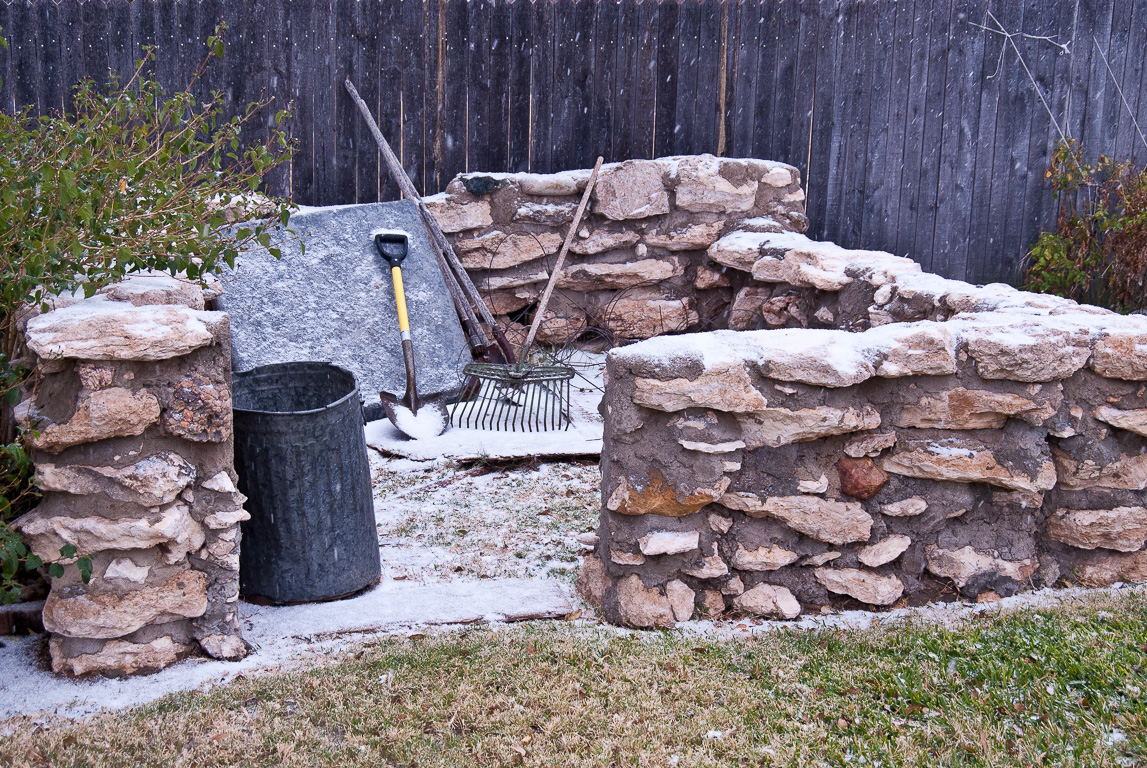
<point x="896" y="438"/>
<point x="129" y="413"/>
<point x="637" y="266"/>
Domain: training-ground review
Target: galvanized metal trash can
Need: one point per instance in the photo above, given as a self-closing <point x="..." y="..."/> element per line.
<point x="300" y="452"/>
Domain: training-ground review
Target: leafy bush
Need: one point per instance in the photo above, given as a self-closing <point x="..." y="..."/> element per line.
<point x="1098" y="251"/>
<point x="134" y="179"/>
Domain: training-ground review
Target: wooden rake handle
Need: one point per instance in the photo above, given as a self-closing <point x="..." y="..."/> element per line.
<point x="541" y="310"/>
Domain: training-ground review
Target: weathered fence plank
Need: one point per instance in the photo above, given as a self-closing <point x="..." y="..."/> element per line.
<point x="916" y="130"/>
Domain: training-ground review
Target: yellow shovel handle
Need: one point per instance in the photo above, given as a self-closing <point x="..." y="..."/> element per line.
<point x="400" y="300"/>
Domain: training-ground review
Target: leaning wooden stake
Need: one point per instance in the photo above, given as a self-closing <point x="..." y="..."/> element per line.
<point x="437" y="237"/>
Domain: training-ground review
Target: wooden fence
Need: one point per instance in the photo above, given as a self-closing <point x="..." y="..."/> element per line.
<point x="917" y="130"/>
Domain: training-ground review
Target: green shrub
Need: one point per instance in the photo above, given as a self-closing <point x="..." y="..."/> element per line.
<point x="1098" y="251"/>
<point x="133" y="179"/>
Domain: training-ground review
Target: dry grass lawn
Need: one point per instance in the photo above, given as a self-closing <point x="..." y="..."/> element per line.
<point x="1032" y="688"/>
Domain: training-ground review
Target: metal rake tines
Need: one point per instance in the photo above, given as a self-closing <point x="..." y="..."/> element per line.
<point x="529" y="399"/>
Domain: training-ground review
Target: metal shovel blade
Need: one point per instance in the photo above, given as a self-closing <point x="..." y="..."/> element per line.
<point x="429" y="420"/>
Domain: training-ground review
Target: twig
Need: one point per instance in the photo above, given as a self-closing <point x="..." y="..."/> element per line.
<point x="1121" y="96"/>
<point x="1010" y="36"/>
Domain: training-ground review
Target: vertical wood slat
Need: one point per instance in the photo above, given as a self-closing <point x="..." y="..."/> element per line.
<point x="7" y="92"/>
<point x="646" y="82"/>
<point x="366" y="65"/>
<point x="916" y="143"/>
<point x="665" y="120"/>
<point x="48" y="30"/>
<point x="707" y="115"/>
<point x="24" y="47"/>
<point x="604" y="83"/>
<point x="541" y="88"/>
<point x="521" y="53"/>
<point x="746" y="45"/>
<point x="684" y="138"/>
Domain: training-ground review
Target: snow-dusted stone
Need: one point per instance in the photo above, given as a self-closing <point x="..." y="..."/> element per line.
<point x="884" y="551"/>
<point x="511" y="250"/>
<point x="598" y="277"/>
<point x="726" y="388"/>
<point x="870" y="445"/>
<point x="1127" y="473"/>
<point x="172" y="528"/>
<point x="741" y="249"/>
<point x="668" y="542"/>
<point x="152" y="481"/>
<point x="511" y="278"/>
<point x="726" y="447"/>
<point x="657" y="497"/>
<point x="693" y="237"/>
<point x="774" y="427"/>
<point x="156" y="288"/>
<point x="711" y="568"/>
<point x="113" y="412"/>
<point x="681" y="599"/>
<point x="602" y="240"/>
<point x="964" y="564"/>
<point x="703" y="185"/>
<point x="73" y="612"/>
<point x="814" y="265"/>
<point x="99" y="329"/>
<point x="759" y="224"/>
<point x="591" y="582"/>
<point x="768" y="558"/>
<point x="1133" y="421"/>
<point x="1123" y="528"/>
<point x="1121" y="352"/>
<point x="455" y="213"/>
<point x="833" y="522"/>
<point x="1104" y="568"/>
<point x="120" y="656"/>
<point x="967" y="460"/>
<point x="913" y="349"/>
<point x="546" y="214"/>
<point x="780" y="176"/>
<point x="643" y="313"/>
<point x="225" y="647"/>
<point x="643" y="607"/>
<point x="866" y="587"/>
<point x="768" y="600"/>
<point x="549" y="184"/>
<point x="630" y="190"/>
<point x="1025" y="348"/>
<point x="910" y="507"/>
<point x="962" y="408"/>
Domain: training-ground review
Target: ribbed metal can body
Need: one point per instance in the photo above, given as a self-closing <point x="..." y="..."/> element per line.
<point x="300" y="453"/>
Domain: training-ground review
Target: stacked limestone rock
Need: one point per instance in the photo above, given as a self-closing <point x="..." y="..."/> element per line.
<point x="638" y="265"/>
<point x="998" y="444"/>
<point x="130" y="419"/>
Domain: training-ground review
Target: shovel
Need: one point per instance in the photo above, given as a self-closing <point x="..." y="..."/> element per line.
<point x="403" y="412"/>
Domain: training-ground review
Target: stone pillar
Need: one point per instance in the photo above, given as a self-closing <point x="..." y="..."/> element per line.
<point x="128" y="419"/>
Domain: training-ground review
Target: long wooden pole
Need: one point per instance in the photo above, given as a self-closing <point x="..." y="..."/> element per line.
<point x="437" y="237"/>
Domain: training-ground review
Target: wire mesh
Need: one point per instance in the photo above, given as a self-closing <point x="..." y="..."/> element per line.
<point x="533" y="398"/>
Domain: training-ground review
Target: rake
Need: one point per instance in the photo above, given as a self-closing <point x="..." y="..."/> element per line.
<point x="521" y="396"/>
